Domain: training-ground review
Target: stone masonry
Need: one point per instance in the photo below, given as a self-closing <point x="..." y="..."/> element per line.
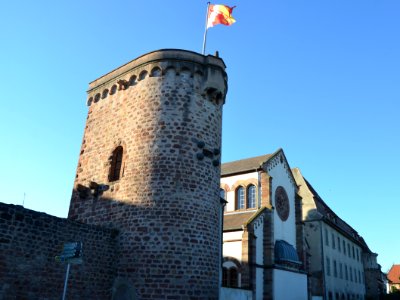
<point x="165" y="110"/>
<point x="29" y="242"/>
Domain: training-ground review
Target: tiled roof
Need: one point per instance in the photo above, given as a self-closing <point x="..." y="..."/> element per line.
<point x="234" y="221"/>
<point x="330" y="215"/>
<point x="394" y="274"/>
<point x="243" y="165"/>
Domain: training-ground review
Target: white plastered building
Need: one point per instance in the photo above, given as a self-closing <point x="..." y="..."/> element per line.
<point x="263" y="250"/>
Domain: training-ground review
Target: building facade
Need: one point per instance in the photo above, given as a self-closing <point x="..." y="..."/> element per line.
<point x="148" y="201"/>
<point x="341" y="266"/>
<point x="263" y="240"/>
<point x="393" y="277"/>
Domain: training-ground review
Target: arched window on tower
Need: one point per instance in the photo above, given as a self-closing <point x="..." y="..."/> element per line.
<point x="233" y="277"/>
<point x="240" y="204"/>
<point x="230" y="277"/>
<point x="116" y="164"/>
<point x="251" y="196"/>
<point x="224" y="276"/>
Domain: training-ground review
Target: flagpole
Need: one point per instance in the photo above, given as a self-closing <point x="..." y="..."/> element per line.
<point x="205" y="31"/>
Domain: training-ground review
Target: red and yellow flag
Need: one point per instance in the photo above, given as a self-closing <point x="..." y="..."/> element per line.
<point x="220" y="14"/>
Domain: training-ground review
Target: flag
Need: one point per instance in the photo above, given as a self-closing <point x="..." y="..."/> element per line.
<point x="220" y="14"/>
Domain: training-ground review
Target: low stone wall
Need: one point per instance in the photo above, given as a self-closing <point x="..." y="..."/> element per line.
<point x="29" y="242"/>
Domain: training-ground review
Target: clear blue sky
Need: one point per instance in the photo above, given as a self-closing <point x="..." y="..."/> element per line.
<point x="319" y="79"/>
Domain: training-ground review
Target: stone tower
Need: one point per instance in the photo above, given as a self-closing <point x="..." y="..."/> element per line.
<point x="149" y="167"/>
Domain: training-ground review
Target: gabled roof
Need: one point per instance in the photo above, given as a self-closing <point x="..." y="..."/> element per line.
<point x="238" y="220"/>
<point x="327" y="213"/>
<point x="394" y="274"/>
<point x="244" y="165"/>
<point x="247" y="164"/>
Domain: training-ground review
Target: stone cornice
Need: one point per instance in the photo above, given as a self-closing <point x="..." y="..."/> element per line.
<point x="156" y="57"/>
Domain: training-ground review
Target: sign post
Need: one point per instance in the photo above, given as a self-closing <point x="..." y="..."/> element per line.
<point x="71" y="254"/>
<point x="66" y="282"/>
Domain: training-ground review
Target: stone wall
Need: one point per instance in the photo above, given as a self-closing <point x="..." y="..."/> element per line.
<point x="29" y="242"/>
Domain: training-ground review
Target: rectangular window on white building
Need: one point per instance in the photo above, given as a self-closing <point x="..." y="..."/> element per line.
<point x="326" y="237"/>
<point x="335" y="268"/>
<point x="330" y="296"/>
<point x="333" y="241"/>
<point x="328" y="266"/>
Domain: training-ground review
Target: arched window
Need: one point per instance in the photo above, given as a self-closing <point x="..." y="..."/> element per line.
<point x="224" y="276"/>
<point x="233" y="277"/>
<point x="116" y="164"/>
<point x="240" y="198"/>
<point x="251" y="196"/>
<point x="230" y="277"/>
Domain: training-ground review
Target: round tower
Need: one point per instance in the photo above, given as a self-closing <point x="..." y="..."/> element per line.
<point x="149" y="167"/>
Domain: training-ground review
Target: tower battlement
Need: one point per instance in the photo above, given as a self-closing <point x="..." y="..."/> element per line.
<point x="204" y="69"/>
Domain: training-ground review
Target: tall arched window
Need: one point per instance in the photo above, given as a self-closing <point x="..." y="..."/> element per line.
<point x="233" y="277"/>
<point x="230" y="277"/>
<point x="116" y="164"/>
<point x="240" y="203"/>
<point x="251" y="196"/>
<point x="224" y="276"/>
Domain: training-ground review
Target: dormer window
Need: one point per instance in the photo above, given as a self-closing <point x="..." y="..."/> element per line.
<point x="116" y="164"/>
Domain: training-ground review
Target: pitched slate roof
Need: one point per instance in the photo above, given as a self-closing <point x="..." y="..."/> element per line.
<point x="331" y="217"/>
<point x="236" y="220"/>
<point x="244" y="165"/>
<point x="394" y="274"/>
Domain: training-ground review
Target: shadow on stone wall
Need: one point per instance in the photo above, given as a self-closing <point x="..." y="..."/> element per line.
<point x="29" y="242"/>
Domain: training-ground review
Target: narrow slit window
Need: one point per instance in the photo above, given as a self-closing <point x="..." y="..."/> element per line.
<point x="116" y="164"/>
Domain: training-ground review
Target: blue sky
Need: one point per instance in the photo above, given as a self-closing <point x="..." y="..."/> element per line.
<point x="319" y="79"/>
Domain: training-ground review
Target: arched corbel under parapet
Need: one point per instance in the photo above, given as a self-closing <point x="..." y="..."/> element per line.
<point x="97" y="98"/>
<point x="156" y="72"/>
<point x="143" y="75"/>
<point x="104" y="94"/>
<point x="169" y="71"/>
<point x="89" y="101"/>
<point x="113" y="89"/>
<point x="132" y="80"/>
<point x="213" y="95"/>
